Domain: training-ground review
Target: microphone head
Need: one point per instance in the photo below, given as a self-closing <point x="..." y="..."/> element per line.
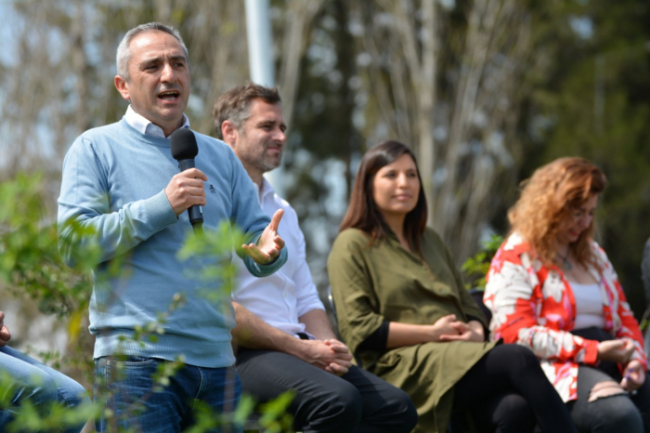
<point x="183" y="143"/>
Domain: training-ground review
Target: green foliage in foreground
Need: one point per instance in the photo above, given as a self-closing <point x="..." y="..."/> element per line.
<point x="31" y="267"/>
<point x="29" y="257"/>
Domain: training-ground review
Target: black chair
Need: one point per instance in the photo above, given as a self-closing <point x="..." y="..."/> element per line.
<point x="330" y="309"/>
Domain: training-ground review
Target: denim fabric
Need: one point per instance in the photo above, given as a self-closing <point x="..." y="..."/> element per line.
<point x="41" y="385"/>
<point x="128" y="390"/>
<point x="613" y="414"/>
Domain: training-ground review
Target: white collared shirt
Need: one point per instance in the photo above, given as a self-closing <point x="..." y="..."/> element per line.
<point x="281" y="298"/>
<point x="144" y="125"/>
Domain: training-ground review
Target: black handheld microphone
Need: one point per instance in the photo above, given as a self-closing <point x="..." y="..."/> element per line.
<point x="184" y="150"/>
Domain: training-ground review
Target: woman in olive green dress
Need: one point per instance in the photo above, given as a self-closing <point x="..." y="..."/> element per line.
<point x="404" y="312"/>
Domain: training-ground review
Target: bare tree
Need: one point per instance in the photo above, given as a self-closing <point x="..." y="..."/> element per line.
<point x="297" y="20"/>
<point x="470" y="103"/>
<point x="496" y="46"/>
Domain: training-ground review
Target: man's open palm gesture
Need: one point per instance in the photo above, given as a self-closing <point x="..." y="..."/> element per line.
<point x="270" y="243"/>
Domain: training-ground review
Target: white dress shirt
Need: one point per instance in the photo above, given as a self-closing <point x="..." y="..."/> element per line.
<point x="144" y="125"/>
<point x="281" y="298"/>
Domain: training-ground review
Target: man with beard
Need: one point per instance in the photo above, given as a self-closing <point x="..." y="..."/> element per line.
<point x="285" y="339"/>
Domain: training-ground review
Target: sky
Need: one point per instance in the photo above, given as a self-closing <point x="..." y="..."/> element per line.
<point x="7" y="31"/>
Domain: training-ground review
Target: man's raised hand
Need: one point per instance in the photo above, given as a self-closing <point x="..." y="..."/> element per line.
<point x="270" y="243"/>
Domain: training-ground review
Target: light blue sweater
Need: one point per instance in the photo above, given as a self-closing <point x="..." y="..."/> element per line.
<point x="113" y="180"/>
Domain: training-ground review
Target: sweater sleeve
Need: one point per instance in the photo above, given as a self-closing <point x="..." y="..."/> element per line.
<point x="512" y="294"/>
<point x="84" y="216"/>
<point x="352" y="288"/>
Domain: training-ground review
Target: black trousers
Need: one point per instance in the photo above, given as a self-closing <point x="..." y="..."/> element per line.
<point x="356" y="402"/>
<point x="507" y="391"/>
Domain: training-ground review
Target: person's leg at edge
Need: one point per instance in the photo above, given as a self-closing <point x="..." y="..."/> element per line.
<point x="28" y="384"/>
<point x="323" y="401"/>
<point x="385" y="408"/>
<point x="70" y="392"/>
<point x="509" y="368"/>
<point x="610" y="414"/>
<point x="39" y="384"/>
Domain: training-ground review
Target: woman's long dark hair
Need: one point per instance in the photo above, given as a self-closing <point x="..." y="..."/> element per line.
<point x="363" y="214"/>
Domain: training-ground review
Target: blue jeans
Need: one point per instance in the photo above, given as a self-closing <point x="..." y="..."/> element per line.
<point x="127" y="388"/>
<point x="39" y="384"/>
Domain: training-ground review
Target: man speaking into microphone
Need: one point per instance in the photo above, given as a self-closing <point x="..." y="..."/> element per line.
<point x="122" y="182"/>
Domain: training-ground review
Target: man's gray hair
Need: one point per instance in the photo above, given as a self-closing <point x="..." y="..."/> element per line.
<point x="124" y="49"/>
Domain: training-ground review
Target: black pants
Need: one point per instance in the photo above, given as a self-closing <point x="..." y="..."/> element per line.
<point x="507" y="391"/>
<point x="622" y="413"/>
<point x="356" y="402"/>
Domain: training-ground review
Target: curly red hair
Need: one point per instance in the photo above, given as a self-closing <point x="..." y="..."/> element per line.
<point x="549" y="198"/>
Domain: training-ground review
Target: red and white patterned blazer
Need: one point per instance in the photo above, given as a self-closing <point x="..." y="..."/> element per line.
<point x="533" y="305"/>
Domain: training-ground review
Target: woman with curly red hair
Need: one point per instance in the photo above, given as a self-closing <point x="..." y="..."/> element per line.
<point x="552" y="288"/>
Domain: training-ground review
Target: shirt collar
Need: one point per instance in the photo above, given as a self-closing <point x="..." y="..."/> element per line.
<point x="144" y="125"/>
<point x="265" y="190"/>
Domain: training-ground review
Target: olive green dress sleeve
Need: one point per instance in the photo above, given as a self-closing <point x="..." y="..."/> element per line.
<point x="354" y="297"/>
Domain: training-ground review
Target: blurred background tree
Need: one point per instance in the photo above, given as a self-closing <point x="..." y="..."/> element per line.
<point x="484" y="91"/>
